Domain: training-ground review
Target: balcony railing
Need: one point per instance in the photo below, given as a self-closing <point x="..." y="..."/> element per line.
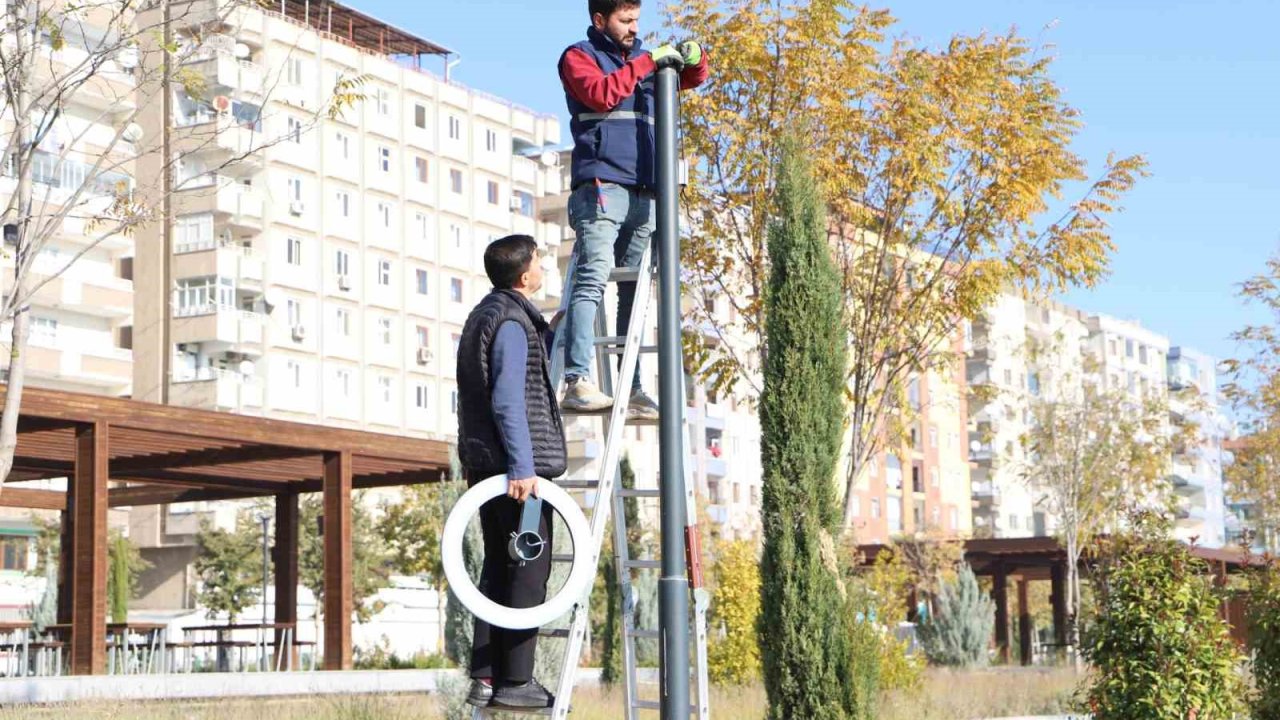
<point x="52" y="170"/>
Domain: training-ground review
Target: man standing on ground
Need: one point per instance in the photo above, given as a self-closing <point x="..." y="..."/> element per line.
<point x="609" y="86"/>
<point x="508" y="422"/>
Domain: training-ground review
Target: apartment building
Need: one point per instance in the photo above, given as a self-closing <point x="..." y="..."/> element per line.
<point x="1198" y="466"/>
<point x="81" y="317"/>
<point x="320" y="268"/>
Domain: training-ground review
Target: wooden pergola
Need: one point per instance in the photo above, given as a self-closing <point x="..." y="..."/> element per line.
<point x="119" y="453"/>
<point x="1024" y="560"/>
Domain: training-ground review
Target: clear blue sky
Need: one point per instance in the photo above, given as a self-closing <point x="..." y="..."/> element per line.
<point x="1192" y="84"/>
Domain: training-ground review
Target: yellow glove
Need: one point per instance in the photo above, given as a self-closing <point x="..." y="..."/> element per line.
<point x="692" y="52"/>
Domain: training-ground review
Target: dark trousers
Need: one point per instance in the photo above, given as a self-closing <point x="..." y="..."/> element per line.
<point x="498" y="653"/>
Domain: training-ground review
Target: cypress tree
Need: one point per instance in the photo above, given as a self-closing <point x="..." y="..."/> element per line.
<point x="807" y="658"/>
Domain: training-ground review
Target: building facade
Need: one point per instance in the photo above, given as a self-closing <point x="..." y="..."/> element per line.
<point x="1198" y="465"/>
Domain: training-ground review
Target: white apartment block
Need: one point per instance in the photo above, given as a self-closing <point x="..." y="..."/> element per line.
<point x="1198" y="467"/>
<point x="1020" y="350"/>
<point x="325" y="273"/>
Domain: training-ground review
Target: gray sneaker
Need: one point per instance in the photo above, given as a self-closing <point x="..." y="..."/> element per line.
<point x="642" y="407"/>
<point x="583" y="396"/>
<point x="530" y="695"/>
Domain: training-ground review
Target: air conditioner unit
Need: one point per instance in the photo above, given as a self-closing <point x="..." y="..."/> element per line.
<point x="299" y="332"/>
<point x="296" y="207"/>
<point x="516" y="203"/>
<point x="424" y="355"/>
<point x="344" y="283"/>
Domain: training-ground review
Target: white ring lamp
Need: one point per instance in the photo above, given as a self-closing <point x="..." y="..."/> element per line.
<point x="455" y="569"/>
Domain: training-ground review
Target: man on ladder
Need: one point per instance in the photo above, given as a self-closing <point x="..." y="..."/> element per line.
<point x="609" y="86"/>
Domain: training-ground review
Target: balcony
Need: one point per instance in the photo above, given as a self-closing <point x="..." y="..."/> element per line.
<point x="105" y="296"/>
<point x="241" y="17"/>
<point x="220" y="137"/>
<point x="225" y="328"/>
<point x="210" y="257"/>
<point x="524" y="172"/>
<point x="233" y="203"/>
<point x="227" y="75"/>
<point x="583" y="449"/>
<point x="986" y="494"/>
<point x="216" y="389"/>
<point x="100" y="366"/>
<point x="984" y="455"/>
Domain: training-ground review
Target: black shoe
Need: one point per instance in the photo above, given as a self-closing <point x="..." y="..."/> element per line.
<point x="525" y="695"/>
<point x="480" y="694"/>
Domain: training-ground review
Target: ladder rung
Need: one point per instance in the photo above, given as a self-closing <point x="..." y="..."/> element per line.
<point x="655" y="705"/>
<point x="611" y="340"/>
<point x="562" y="558"/>
<point x="624" y="274"/>
<point x="644" y="564"/>
<point x="644" y="634"/>
<point x="640" y="493"/>
<point x="553" y="632"/>
<point x="578" y="484"/>
<point x="516" y="711"/>
<point x="618" y="350"/>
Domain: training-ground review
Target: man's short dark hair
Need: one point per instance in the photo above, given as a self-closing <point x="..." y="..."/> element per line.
<point x="609" y="7"/>
<point x="506" y="259"/>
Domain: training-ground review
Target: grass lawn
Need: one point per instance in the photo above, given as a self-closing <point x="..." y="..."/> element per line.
<point x="944" y="696"/>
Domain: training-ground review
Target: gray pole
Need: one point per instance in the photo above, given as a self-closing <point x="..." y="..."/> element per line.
<point x="673" y="585"/>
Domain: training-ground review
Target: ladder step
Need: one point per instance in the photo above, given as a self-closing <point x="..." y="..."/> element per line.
<point x="644" y="564"/>
<point x="553" y="632"/>
<point x="562" y="558"/>
<point x="640" y="493"/>
<point x="631" y="421"/>
<point x="617" y="350"/>
<point x="644" y="634"/>
<point x="624" y="274"/>
<point x="578" y="484"/>
<point x="655" y="705"/>
<point x="611" y="340"/>
<point x="486" y="712"/>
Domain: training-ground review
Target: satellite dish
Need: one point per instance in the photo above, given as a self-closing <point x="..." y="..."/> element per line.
<point x="240" y="50"/>
<point x="975" y="446"/>
<point x="133" y="133"/>
<point x="550" y="159"/>
<point x="247" y="368"/>
<point x="271" y="299"/>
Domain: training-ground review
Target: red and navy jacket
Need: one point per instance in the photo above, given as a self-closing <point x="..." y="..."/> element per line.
<point x="611" y="107"/>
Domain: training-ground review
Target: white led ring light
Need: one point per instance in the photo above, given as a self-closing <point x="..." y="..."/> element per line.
<point x="455" y="570"/>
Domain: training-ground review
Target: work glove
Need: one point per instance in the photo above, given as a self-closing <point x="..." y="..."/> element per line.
<point x="691" y="52"/>
<point x="666" y="56"/>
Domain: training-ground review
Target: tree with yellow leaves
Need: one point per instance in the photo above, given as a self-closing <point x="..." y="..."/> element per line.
<point x="938" y="165"/>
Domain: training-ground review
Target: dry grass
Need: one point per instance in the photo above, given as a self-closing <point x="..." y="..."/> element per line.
<point x="944" y="696"/>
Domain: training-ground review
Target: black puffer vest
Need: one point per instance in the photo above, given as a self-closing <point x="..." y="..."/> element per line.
<point x="480" y="447"/>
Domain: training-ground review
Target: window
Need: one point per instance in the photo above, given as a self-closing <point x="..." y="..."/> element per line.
<point x="342" y="262"/>
<point x="857" y="505"/>
<point x="342" y="321"/>
<point x="293" y="251"/>
<point x="493" y="193"/>
<point x="384" y="330"/>
<point x="420" y="275"/>
<point x="455" y="181"/>
<point x="420" y="396"/>
<point x="937" y="516"/>
<point x="384" y="273"/>
<point x="526" y="203"/>
<point x="1033" y="384"/>
<point x="193" y="232"/>
<point x="294" y="312"/>
<point x="1014" y="522"/>
<point x="955" y="519"/>
<point x="196" y="296"/>
<point x="895" y="515"/>
<point x="456" y="232"/>
<point x="344" y="381"/>
<point x="295" y="189"/>
<point x="384" y="158"/>
<point x="1008" y="377"/>
<point x="420" y="169"/>
<point x="875" y="508"/>
<point x="935" y="478"/>
<point x="1142" y="354"/>
<point x="293" y="68"/>
<point x="913" y="393"/>
<point x="933" y="437"/>
<point x="1128" y="348"/>
<point x="384" y="102"/>
<point x="294" y="370"/>
<point x="343" y="199"/>
<point x="424" y="336"/>
<point x="344" y="145"/>
<point x="1112" y="348"/>
<point x="455" y="290"/>
<point x="384" y="211"/>
<point x="15" y="552"/>
<point x="295" y="131"/>
<point x="455" y="128"/>
<point x="384" y="389"/>
<point x="420" y="222"/>
<point x="457" y="343"/>
<point x="420" y="116"/>
<point x="44" y="331"/>
<point x="917" y="477"/>
<point x="490" y="141"/>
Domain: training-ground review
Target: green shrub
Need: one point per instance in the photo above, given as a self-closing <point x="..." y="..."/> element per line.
<point x="959" y="632"/>
<point x="1263" y="607"/>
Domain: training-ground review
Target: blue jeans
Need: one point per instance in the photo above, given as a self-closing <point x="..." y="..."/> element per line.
<point x="613" y="225"/>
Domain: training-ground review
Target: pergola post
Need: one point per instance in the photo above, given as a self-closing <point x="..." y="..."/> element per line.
<point x="1024" y="621"/>
<point x="1058" y="576"/>
<point x="1000" y="592"/>
<point x="87" y="503"/>
<point x="337" y="560"/>
<point x="286" y="567"/>
<point x="66" y="559"/>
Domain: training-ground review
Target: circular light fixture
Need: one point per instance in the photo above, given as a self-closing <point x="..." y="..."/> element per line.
<point x="455" y="570"/>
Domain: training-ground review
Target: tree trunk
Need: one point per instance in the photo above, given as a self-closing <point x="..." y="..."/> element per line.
<point x="21" y="316"/>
